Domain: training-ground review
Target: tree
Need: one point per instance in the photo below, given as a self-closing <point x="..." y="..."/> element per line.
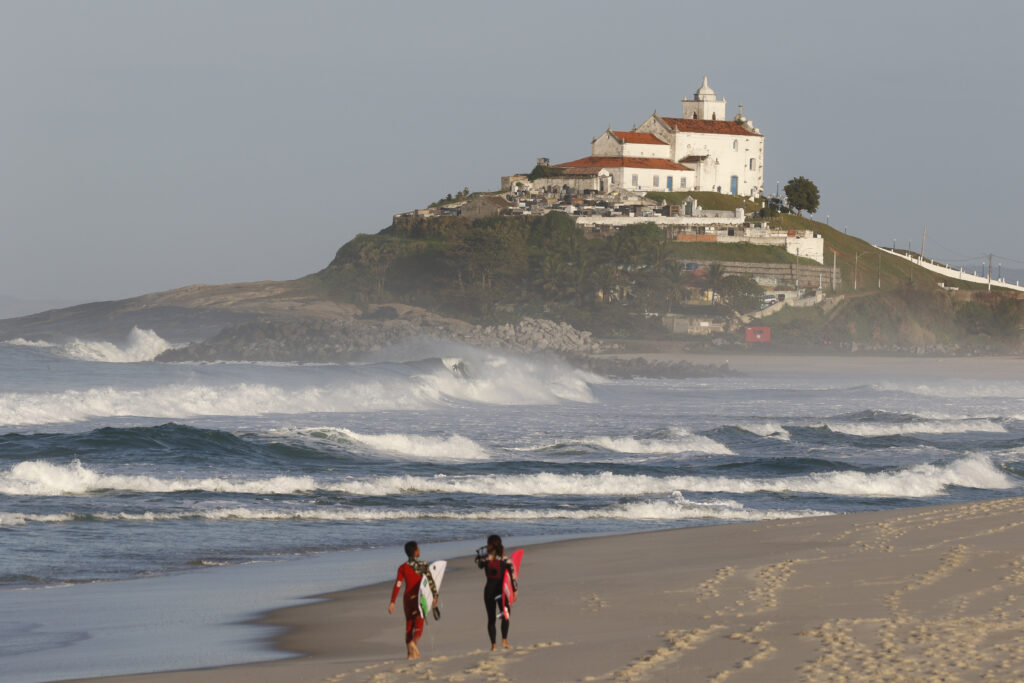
<point x="802" y="195"/>
<point x="716" y="271"/>
<point x="740" y="293"/>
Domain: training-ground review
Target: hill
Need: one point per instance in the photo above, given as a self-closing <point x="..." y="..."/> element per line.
<point x="462" y="278"/>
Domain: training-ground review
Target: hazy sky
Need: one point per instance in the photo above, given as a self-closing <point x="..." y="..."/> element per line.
<point x="149" y="145"/>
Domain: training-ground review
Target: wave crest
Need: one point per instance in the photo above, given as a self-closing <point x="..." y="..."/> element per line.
<point x="141" y="346"/>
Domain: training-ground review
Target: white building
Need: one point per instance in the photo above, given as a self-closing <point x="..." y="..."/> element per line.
<point x="701" y="151"/>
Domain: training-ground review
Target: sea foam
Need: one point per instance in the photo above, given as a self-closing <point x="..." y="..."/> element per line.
<point x="950" y="426"/>
<point x="40" y="478"/>
<point x="141" y="346"/>
<point x="684" y="442"/>
<point x="675" y="507"/>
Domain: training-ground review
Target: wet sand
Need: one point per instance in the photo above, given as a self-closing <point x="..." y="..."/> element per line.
<point x="916" y="594"/>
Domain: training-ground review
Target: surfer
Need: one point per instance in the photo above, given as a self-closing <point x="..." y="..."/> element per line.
<point x="494" y="563"/>
<point x="411" y="572"/>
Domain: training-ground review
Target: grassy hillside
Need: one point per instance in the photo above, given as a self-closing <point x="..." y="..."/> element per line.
<point x="501" y="268"/>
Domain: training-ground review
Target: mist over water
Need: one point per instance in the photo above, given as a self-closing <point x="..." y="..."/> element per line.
<point x="102" y="449"/>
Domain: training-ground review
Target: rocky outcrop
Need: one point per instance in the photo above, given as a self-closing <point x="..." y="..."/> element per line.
<point x="340" y="340"/>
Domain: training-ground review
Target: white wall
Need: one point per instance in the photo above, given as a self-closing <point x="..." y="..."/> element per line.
<point x="609" y="146"/>
<point x="645" y="179"/>
<point x="733" y="154"/>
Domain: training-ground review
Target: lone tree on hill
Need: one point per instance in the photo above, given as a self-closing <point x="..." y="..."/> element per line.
<point x="802" y="194"/>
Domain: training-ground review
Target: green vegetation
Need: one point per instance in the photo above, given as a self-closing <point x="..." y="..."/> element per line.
<point x="544" y="171"/>
<point x="459" y="196"/>
<point x="500" y="269"/>
<point x="713" y="201"/>
<point x="802" y="195"/>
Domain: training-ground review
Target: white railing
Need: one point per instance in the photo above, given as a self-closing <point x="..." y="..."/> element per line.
<point x="952" y="273"/>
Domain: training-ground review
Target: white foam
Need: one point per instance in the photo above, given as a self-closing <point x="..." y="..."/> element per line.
<point x="767" y="429"/>
<point x="512" y="380"/>
<point x="178" y="401"/>
<point x="952" y="426"/>
<point x="19" y="519"/>
<point x="502" y="381"/>
<point x="685" y="442"/>
<point x="675" y="507"/>
<point x="38" y="478"/>
<point x="453" y="447"/>
<point x="26" y="342"/>
<point x="141" y="346"/>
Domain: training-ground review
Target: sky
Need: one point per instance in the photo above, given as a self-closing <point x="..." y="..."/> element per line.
<point x="150" y="145"/>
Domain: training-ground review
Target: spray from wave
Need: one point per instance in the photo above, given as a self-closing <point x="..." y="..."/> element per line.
<point x="141" y="346"/>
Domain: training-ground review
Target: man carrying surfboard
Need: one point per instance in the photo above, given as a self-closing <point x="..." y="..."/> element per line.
<point x="411" y="572"/>
<point x="501" y="573"/>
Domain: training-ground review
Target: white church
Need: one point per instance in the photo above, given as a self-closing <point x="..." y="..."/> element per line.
<point x="701" y="151"/>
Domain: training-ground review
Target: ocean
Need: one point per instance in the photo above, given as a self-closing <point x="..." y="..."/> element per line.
<point x="146" y="509"/>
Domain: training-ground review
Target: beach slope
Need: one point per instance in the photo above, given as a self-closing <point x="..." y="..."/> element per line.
<point x="928" y="593"/>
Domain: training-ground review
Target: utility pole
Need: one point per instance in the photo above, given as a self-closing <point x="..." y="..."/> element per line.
<point x="879" y="270"/>
<point x="834" y="270"/>
<point x="990" y="272"/>
<point x="923" y="236"/>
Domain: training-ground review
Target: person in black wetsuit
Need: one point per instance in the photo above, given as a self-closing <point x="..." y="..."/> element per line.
<point x="494" y="563"/>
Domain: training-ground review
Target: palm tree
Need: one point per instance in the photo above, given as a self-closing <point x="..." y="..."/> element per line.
<point x="716" y="271"/>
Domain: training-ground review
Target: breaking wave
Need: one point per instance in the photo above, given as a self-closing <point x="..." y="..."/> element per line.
<point x="29" y="343"/>
<point x="40" y="478"/>
<point x="501" y="381"/>
<point x="683" y="442"/>
<point x="955" y="426"/>
<point x="141" y="346"/>
<point x="767" y="429"/>
<point x="454" y="447"/>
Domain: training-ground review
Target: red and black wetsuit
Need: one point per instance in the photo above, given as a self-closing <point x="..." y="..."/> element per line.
<point x="413" y="620"/>
<point x="495" y="571"/>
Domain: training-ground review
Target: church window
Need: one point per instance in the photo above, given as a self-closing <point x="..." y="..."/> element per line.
<point x="682" y="182"/>
<point x="752" y="163"/>
<point x="655" y="181"/>
<point x="636" y="180"/>
<point x="714" y="117"/>
<point x="735" y="144"/>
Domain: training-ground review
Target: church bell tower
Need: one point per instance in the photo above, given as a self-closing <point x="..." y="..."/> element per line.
<point x="705" y="105"/>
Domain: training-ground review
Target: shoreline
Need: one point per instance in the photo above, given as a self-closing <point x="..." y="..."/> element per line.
<point x="919" y="592"/>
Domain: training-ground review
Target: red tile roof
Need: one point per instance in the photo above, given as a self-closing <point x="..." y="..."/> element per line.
<point x="624" y="162"/>
<point x="703" y="126"/>
<point x="635" y="138"/>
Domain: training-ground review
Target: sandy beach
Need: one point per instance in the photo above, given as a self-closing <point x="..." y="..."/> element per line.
<point x="918" y="594"/>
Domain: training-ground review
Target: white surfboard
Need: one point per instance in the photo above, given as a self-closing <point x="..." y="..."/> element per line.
<point x="427" y="599"/>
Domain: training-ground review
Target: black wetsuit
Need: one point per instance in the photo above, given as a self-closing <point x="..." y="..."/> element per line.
<point x="495" y="571"/>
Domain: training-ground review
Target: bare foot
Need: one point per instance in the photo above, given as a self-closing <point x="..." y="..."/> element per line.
<point x="414" y="651"/>
<point x="504" y="644"/>
<point x="493" y="647"/>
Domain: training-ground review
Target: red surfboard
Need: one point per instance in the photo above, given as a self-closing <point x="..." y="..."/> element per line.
<point x="508" y="596"/>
